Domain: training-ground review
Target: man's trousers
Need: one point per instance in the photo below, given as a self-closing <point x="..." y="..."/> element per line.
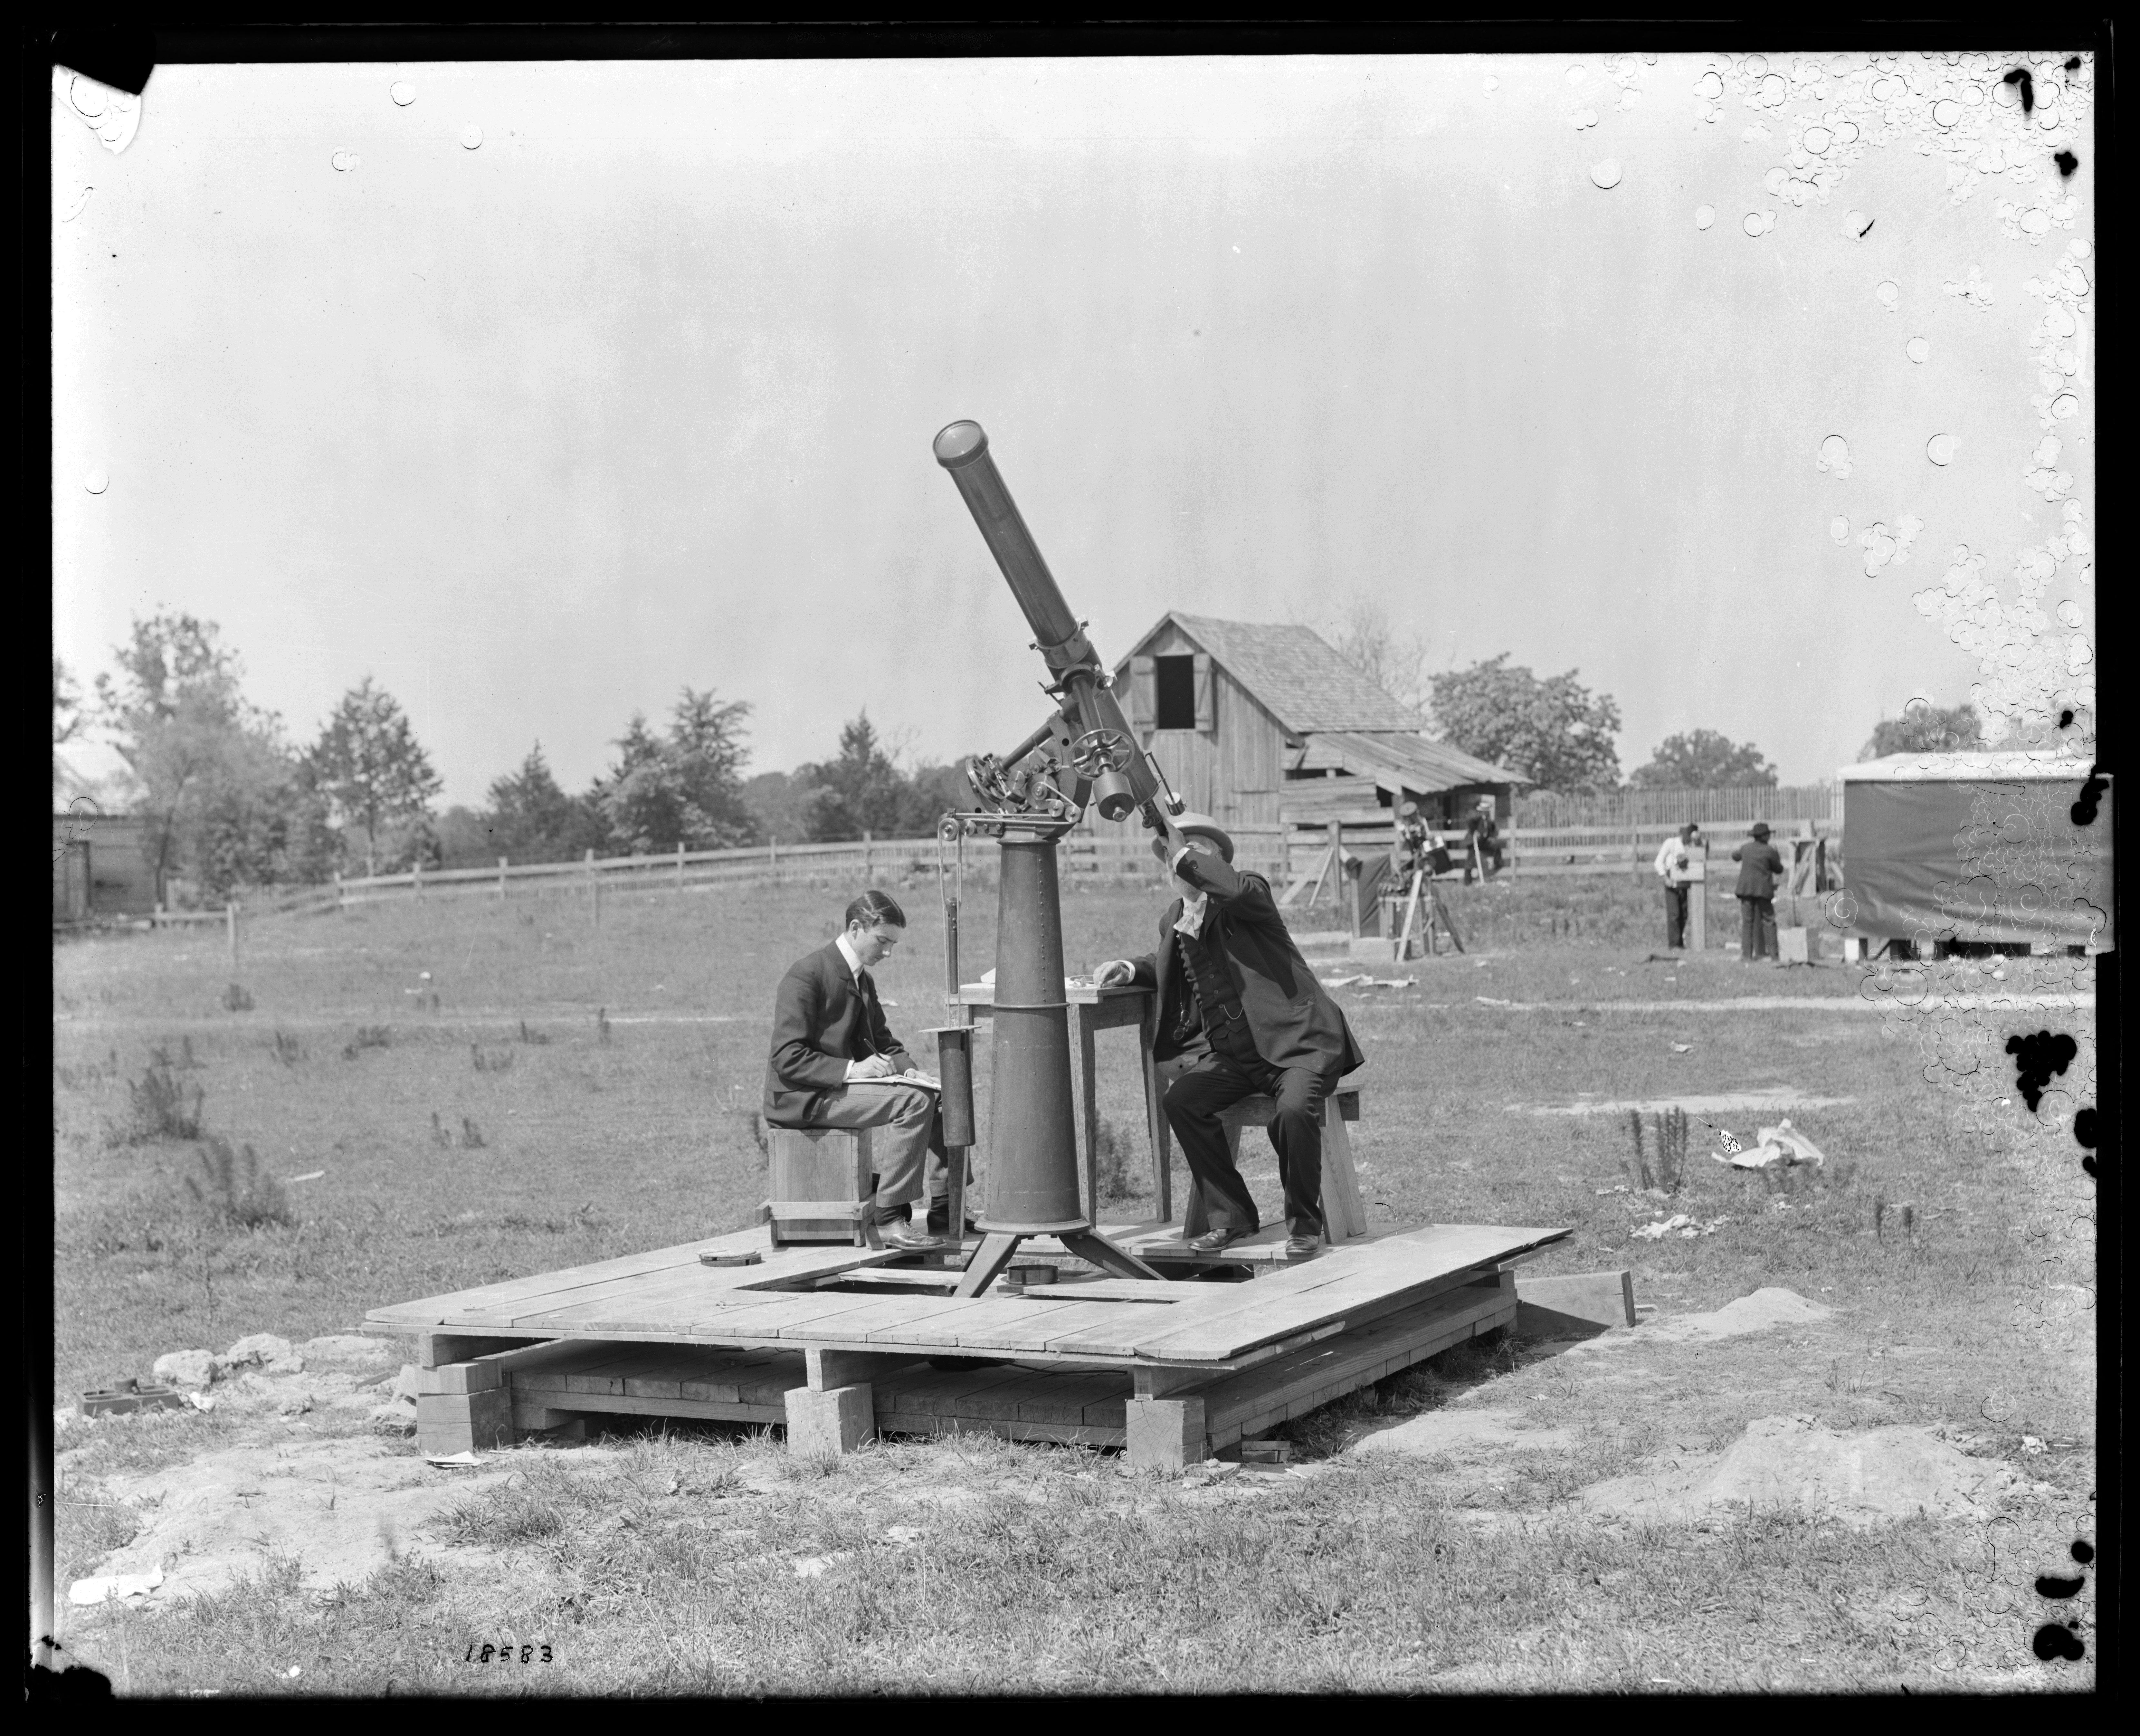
<point x="911" y="1137"/>
<point x="1675" y="915"/>
<point x="1757" y="929"/>
<point x="1214" y="1083"/>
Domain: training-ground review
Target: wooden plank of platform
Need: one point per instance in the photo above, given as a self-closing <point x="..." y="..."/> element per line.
<point x="1066" y="1398"/>
<point x="897" y="1317"/>
<point x="941" y="1392"/>
<point x="1119" y="1289"/>
<point x="431" y="1310"/>
<point x="1110" y="1328"/>
<point x="495" y="1305"/>
<point x="1312" y="1294"/>
<point x="1260" y="1398"/>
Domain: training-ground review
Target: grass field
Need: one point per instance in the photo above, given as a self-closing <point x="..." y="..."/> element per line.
<point x="484" y="1090"/>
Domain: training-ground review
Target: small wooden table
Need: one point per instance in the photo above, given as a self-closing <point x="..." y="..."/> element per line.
<point x="1092" y="1011"/>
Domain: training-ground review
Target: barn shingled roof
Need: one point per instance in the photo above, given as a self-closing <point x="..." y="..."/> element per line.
<point x="1296" y="674"/>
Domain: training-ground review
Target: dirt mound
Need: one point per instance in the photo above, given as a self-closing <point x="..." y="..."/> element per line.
<point x="1793" y="1463"/>
<point x="1766" y="1308"/>
<point x="1459" y="1433"/>
<point x="344" y="1507"/>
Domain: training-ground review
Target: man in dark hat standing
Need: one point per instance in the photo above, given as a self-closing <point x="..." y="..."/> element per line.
<point x="1240" y="1007"/>
<point x="1759" y="867"/>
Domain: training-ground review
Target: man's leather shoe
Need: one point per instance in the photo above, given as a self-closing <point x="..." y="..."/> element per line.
<point x="1214" y="1242"/>
<point x="1302" y="1247"/>
<point x="905" y="1237"/>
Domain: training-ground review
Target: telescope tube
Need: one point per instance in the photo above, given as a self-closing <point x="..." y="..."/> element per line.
<point x="962" y="450"/>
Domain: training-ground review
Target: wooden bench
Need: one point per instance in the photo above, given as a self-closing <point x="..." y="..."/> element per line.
<point x="1343" y="1214"/>
<point x="819" y="1180"/>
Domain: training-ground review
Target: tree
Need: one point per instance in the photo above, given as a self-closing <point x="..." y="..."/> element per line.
<point x="209" y="771"/>
<point x="684" y="789"/>
<point x="1369" y="641"/>
<point x="531" y="818"/>
<point x="1923" y="728"/>
<point x="861" y="791"/>
<point x="1555" y="733"/>
<point x="67" y="724"/>
<point x="1704" y="760"/>
<point x="376" y="777"/>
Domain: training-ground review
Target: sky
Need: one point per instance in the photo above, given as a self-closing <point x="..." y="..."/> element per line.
<point x="560" y="387"/>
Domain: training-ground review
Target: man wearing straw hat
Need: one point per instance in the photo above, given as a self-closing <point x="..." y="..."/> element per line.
<point x="1240" y="1009"/>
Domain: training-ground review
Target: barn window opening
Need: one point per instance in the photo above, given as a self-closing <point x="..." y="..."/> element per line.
<point x="1174" y="695"/>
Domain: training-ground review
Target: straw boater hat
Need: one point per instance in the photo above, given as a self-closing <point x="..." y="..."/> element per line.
<point x="1197" y="825"/>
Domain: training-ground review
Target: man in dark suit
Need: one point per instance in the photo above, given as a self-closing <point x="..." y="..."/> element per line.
<point x="835" y="1062"/>
<point x="1759" y="867"/>
<point x="1240" y="1006"/>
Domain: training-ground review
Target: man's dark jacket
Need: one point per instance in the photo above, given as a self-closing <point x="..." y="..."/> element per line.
<point x="819" y="1024"/>
<point x="1760" y="866"/>
<point x="1291" y="1018"/>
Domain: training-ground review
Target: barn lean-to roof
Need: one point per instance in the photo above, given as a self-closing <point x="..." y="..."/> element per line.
<point x="1397" y="760"/>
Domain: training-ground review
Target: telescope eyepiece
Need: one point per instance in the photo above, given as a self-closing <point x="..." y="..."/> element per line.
<point x="960" y="444"/>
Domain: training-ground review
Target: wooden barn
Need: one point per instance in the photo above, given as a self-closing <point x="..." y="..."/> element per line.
<point x="1263" y="726"/>
<point x="101" y="867"/>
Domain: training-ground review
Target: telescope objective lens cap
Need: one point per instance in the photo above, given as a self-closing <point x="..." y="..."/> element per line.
<point x="960" y="444"/>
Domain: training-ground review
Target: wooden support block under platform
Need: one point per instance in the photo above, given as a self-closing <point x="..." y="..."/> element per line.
<point x="1577" y="1305"/>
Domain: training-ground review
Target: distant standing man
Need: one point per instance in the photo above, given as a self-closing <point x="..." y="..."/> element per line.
<point x="1239" y="1004"/>
<point x="1759" y="867"/>
<point x="830" y="1040"/>
<point x="1674" y="868"/>
<point x="1483" y="841"/>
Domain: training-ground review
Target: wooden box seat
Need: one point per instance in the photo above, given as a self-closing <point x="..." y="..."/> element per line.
<point x="819" y="1180"/>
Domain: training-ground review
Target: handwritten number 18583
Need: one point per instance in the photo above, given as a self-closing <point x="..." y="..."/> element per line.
<point x="535" y="1653"/>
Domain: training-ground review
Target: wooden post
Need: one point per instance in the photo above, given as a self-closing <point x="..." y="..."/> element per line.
<point x="501" y="879"/>
<point x="868" y="870"/>
<point x="230" y="929"/>
<point x="342" y="897"/>
<point x="594" y="886"/>
<point x="1697" y="899"/>
<point x="772" y="855"/>
<point x="680" y="861"/>
<point x="416" y="877"/>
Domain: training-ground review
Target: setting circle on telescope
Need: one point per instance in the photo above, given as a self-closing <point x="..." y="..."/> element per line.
<point x="960" y="444"/>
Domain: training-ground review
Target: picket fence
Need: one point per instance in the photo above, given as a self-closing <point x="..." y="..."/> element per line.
<point x="1774" y="803"/>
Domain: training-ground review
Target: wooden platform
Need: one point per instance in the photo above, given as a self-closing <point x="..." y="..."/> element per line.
<point x="834" y="1341"/>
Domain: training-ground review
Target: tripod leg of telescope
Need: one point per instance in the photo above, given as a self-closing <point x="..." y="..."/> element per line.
<point x="1091" y="1245"/>
<point x="989" y="1258"/>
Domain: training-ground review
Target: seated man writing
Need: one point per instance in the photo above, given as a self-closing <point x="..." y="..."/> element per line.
<point x="1240" y="1007"/>
<point x="836" y="1064"/>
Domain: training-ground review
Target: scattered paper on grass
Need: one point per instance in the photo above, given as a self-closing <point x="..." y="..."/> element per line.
<point x="903" y="1535"/>
<point x="114" y="1585"/>
<point x="1779" y="1145"/>
<point x="814" y="1567"/>
<point x="1682" y="1048"/>
<point x="451" y="1461"/>
<point x="1678" y="1224"/>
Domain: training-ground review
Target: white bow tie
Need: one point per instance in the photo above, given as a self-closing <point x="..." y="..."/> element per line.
<point x="1191" y="918"/>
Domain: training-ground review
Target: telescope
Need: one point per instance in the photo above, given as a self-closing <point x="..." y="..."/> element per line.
<point x="1105" y="765"/>
<point x="1092" y="758"/>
